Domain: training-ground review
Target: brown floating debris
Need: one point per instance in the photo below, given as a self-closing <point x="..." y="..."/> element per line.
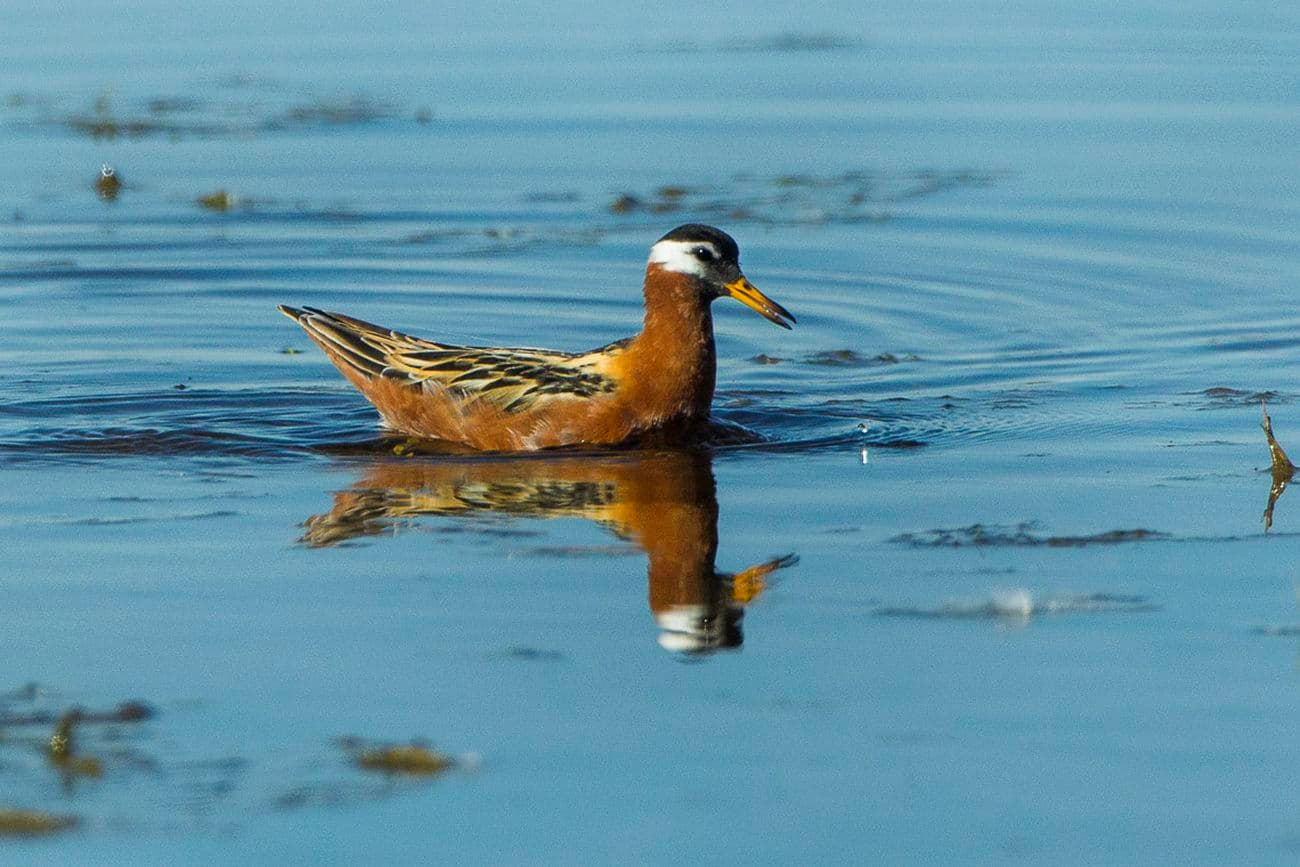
<point x="33" y="823"/>
<point x="1281" y="463"/>
<point x="62" y="749"/>
<point x="178" y="116"/>
<point x="410" y="759"/>
<point x="413" y="759"/>
<point x="81" y="766"/>
<point x="1282" y="468"/>
<point x="625" y="204"/>
<point x="349" y="110"/>
<point x="108" y="184"/>
<point x="221" y="201"/>
<point x="107" y="128"/>
<point x="127" y="711"/>
<point x="1222" y="396"/>
<point x="797" y="198"/>
<point x="533" y="654"/>
<point x="170" y="105"/>
<point x="133" y="711"/>
<point x="61" y="741"/>
<point x="849" y="358"/>
<point x="1020" y="536"/>
<point x="836" y="358"/>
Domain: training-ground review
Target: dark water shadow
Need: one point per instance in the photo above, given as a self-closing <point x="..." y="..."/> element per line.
<point x="1019" y="536"/>
<point x="663" y="502"/>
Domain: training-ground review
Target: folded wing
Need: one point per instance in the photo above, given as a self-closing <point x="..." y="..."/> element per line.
<point x="513" y="380"/>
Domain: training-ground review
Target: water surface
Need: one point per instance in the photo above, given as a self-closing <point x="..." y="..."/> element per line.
<point x="993" y="585"/>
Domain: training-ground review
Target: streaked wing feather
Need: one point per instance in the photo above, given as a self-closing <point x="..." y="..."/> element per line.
<point x="513" y="379"/>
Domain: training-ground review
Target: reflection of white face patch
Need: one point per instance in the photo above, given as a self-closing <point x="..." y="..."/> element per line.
<point x="677" y="256"/>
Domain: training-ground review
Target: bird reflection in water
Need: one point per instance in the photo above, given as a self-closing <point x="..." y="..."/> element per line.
<point x="665" y="502"/>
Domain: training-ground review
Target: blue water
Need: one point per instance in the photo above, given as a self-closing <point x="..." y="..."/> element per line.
<point x="1044" y="261"/>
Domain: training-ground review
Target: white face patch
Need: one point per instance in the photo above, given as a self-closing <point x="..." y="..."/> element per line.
<point x="677" y="256"/>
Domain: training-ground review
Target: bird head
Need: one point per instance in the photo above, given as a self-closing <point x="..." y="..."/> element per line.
<point x="711" y="258"/>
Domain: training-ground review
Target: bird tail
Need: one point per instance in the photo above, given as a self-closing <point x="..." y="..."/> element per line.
<point x="343" y="339"/>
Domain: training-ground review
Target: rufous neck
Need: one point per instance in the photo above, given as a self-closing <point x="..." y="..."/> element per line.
<point x="676" y="315"/>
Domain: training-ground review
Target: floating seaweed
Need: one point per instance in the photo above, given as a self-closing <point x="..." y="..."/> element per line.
<point x="173" y="105"/>
<point x="62" y="749"/>
<point x="389" y="770"/>
<point x="414" y="759"/>
<point x="127" y="711"/>
<point x="243" y="113"/>
<point x="794" y="199"/>
<point x="221" y="200"/>
<point x="34" y="823"/>
<point x="1282" y="469"/>
<point x="850" y="358"/>
<point x="625" y="204"/>
<point x="108" y="184"/>
<point x="348" y="111"/>
<point x="1223" y="397"/>
<point x="111" y="128"/>
<point x="1019" y="536"/>
<point x="534" y="654"/>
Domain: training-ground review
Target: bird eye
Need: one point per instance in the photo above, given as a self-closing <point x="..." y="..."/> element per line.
<point x="704" y="254"/>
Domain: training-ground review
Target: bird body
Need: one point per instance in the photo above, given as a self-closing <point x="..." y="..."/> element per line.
<point x="514" y="399"/>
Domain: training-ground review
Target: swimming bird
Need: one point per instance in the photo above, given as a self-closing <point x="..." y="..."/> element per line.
<point x="658" y="382"/>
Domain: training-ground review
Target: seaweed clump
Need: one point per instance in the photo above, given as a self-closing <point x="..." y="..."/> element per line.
<point x="1019" y="536"/>
<point x="1282" y="469"/>
<point x="108" y="184"/>
<point x="33" y="823"/>
<point x="413" y="760"/>
<point x="62" y="749"/>
<point x="801" y="199"/>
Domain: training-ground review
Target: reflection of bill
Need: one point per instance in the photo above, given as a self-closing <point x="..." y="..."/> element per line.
<point x="665" y="502"/>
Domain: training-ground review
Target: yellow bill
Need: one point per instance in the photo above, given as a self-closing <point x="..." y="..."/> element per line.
<point x="745" y="292"/>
